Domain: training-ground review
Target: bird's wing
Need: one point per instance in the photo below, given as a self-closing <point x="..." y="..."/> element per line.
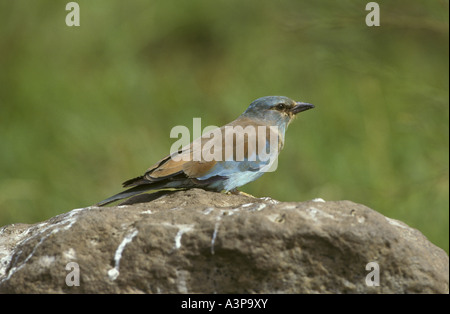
<point x="247" y="146"/>
<point x="179" y="165"/>
<point x="199" y="159"/>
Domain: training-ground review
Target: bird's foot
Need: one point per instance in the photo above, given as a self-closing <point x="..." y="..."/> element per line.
<point x="236" y="192"/>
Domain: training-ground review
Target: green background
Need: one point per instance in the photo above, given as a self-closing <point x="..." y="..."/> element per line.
<point x="84" y="108"/>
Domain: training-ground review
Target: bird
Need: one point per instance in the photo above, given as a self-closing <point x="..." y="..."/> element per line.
<point x="224" y="158"/>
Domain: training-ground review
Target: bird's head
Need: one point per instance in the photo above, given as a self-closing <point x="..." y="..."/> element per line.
<point x="275" y="110"/>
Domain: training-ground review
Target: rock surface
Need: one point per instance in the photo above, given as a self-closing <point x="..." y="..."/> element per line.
<point x="204" y="242"/>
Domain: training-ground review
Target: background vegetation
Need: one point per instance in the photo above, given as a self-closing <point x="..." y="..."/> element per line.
<point x="84" y="108"/>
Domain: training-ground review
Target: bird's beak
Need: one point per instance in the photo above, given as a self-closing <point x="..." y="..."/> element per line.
<point x="301" y="106"/>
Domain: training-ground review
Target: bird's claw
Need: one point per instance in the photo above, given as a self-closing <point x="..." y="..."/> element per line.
<point x="236" y="192"/>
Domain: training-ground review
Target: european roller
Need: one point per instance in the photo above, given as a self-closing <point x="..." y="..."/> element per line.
<point x="224" y="158"/>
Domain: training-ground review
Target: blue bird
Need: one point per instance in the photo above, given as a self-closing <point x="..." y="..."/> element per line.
<point x="225" y="158"/>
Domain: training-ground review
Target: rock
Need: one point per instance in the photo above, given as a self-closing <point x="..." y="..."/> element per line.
<point x="204" y="242"/>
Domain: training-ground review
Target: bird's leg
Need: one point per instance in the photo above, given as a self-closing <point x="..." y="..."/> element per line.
<point x="236" y="192"/>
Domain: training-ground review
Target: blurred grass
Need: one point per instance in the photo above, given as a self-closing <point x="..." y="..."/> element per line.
<point x="83" y="109"/>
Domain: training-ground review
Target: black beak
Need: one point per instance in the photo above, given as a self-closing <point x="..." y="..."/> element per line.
<point x="301" y="106"/>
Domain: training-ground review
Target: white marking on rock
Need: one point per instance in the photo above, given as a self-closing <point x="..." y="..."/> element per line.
<point x="148" y="211"/>
<point x="181" y="229"/>
<point x="208" y="210"/>
<point x="319" y="200"/>
<point x="396" y="223"/>
<point x="113" y="273"/>
<point x="314" y="212"/>
<point x="70" y="254"/>
<point x="229" y="212"/>
<point x="46" y="261"/>
<point x="270" y="200"/>
<point x="273" y="217"/>
<point x="260" y="207"/>
<point x="213" y="239"/>
<point x="67" y="221"/>
<point x="217" y="224"/>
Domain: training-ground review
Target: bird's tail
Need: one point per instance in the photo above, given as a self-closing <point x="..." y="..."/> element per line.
<point x="179" y="182"/>
<point x="130" y="192"/>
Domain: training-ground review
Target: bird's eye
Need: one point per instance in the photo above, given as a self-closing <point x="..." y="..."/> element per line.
<point x="280" y="106"/>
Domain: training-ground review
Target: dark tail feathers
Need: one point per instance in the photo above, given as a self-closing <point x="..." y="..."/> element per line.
<point x="127" y="193"/>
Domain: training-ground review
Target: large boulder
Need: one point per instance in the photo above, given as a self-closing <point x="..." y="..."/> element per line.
<point x="204" y="242"/>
